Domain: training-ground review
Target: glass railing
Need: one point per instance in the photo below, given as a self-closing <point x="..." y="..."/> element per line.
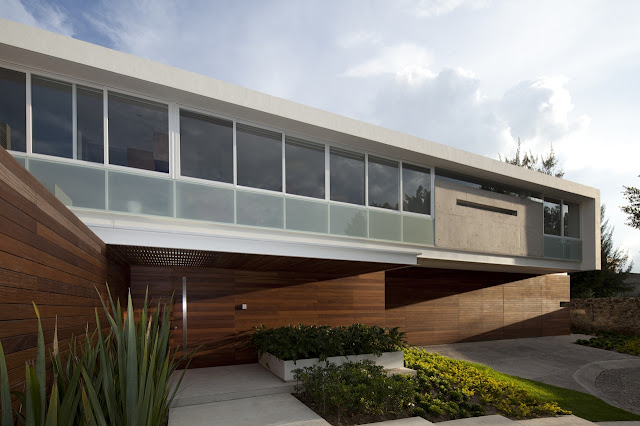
<point x="90" y="186"/>
<point x="562" y="248"/>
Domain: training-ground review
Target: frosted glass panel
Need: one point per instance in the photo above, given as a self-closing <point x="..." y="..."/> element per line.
<point x="140" y="194"/>
<point x="417" y="230"/>
<point x="75" y="186"/>
<point x="385" y="226"/>
<point x="20" y="160"/>
<point x="350" y="221"/>
<point x="260" y="209"/>
<point x="308" y="216"/>
<point x="204" y="202"/>
<point x="562" y="248"/>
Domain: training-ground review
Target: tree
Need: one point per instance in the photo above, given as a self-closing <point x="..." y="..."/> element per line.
<point x="548" y="163"/>
<point x="610" y="279"/>
<point x="632" y="195"/>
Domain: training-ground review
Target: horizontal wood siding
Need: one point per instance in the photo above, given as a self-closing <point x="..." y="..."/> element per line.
<point x="218" y="324"/>
<point x="437" y="306"/>
<point x="47" y="256"/>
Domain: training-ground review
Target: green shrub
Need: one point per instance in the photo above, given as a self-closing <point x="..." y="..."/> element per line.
<point x="302" y="341"/>
<point x="353" y="390"/>
<point x="613" y="342"/>
<point x="451" y="389"/>
<point x="118" y="379"/>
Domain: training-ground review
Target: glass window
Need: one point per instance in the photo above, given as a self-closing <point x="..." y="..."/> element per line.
<point x="384" y="183"/>
<point x="305" y="168"/>
<point x="416" y="188"/>
<point x="52" y="117"/>
<point x="90" y="125"/>
<point x="259" y="158"/>
<point x="552" y="218"/>
<point x="13" y="107"/>
<point x="138" y="133"/>
<point x="347" y="176"/>
<point x="206" y="147"/>
<point x="571" y="219"/>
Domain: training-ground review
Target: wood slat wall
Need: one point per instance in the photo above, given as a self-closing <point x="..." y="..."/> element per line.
<point x="437" y="306"/>
<point x="47" y="256"/>
<point x="214" y="297"/>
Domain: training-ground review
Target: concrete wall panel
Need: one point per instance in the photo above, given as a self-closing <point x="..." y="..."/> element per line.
<point x="466" y="228"/>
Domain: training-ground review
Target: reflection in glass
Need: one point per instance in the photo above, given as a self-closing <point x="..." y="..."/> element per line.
<point x="138" y="133"/>
<point x="305" y="215"/>
<point x="351" y="221"/>
<point x="385" y="225"/>
<point x="259" y="209"/>
<point x="571" y="218"/>
<point x="74" y="185"/>
<point x="305" y="168"/>
<point x="347" y="176"/>
<point x="13" y="107"/>
<point x="552" y="217"/>
<point x="204" y="202"/>
<point x="52" y="117"/>
<point x="137" y="194"/>
<point x="416" y="188"/>
<point x="384" y="183"/>
<point x="90" y="124"/>
<point x="259" y="159"/>
<point x="206" y="147"/>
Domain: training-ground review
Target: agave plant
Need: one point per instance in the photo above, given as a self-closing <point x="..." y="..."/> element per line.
<point x="122" y="378"/>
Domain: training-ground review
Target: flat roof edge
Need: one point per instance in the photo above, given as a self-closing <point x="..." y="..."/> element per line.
<point x="49" y="44"/>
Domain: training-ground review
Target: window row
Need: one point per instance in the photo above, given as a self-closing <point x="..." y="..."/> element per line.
<point x="68" y="121"/>
<point x="561" y="218"/>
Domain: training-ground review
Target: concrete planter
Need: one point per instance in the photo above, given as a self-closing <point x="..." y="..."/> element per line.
<point x="284" y="369"/>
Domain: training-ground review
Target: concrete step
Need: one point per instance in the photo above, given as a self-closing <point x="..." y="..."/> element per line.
<point x="484" y="420"/>
<point x="402" y="370"/>
<point x="556" y="421"/>
<point x="259" y="411"/>
<point x="214" y="384"/>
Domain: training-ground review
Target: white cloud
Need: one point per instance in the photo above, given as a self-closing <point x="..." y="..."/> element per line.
<point x="41" y="14"/>
<point x="359" y="38"/>
<point x="406" y="61"/>
<point x="435" y="8"/>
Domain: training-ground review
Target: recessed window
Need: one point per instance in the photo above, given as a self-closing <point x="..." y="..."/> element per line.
<point x="416" y="188"/>
<point x="13" y="107"/>
<point x="138" y="133"/>
<point x="305" y="168"/>
<point x="571" y="219"/>
<point x="347" y="176"/>
<point x="51" y="103"/>
<point x="259" y="158"/>
<point x="552" y="217"/>
<point x="384" y="183"/>
<point x="206" y="147"/>
<point x="90" y="125"/>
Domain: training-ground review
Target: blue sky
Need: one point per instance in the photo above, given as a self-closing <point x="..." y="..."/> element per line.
<point x="474" y="74"/>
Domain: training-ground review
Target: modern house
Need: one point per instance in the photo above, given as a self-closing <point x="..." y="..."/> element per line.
<point x="256" y="210"/>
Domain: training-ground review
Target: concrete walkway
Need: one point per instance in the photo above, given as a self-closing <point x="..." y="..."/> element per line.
<point x="558" y="361"/>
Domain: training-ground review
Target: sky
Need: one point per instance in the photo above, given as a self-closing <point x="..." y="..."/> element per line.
<point x="474" y="74"/>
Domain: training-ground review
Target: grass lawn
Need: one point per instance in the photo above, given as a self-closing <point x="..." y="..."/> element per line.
<point x="580" y="404"/>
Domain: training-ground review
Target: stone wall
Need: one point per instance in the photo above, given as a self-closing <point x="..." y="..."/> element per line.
<point x="619" y="314"/>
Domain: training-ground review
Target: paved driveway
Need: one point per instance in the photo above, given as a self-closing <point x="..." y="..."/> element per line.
<point x="557" y="360"/>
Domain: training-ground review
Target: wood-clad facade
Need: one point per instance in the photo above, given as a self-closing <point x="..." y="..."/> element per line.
<point x="49" y="257"/>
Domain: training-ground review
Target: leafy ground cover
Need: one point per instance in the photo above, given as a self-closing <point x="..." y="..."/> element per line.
<point x="613" y="342"/>
<point x="444" y="389"/>
<point x="295" y="342"/>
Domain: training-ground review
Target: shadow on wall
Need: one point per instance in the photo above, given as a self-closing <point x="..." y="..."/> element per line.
<point x="445" y="306"/>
